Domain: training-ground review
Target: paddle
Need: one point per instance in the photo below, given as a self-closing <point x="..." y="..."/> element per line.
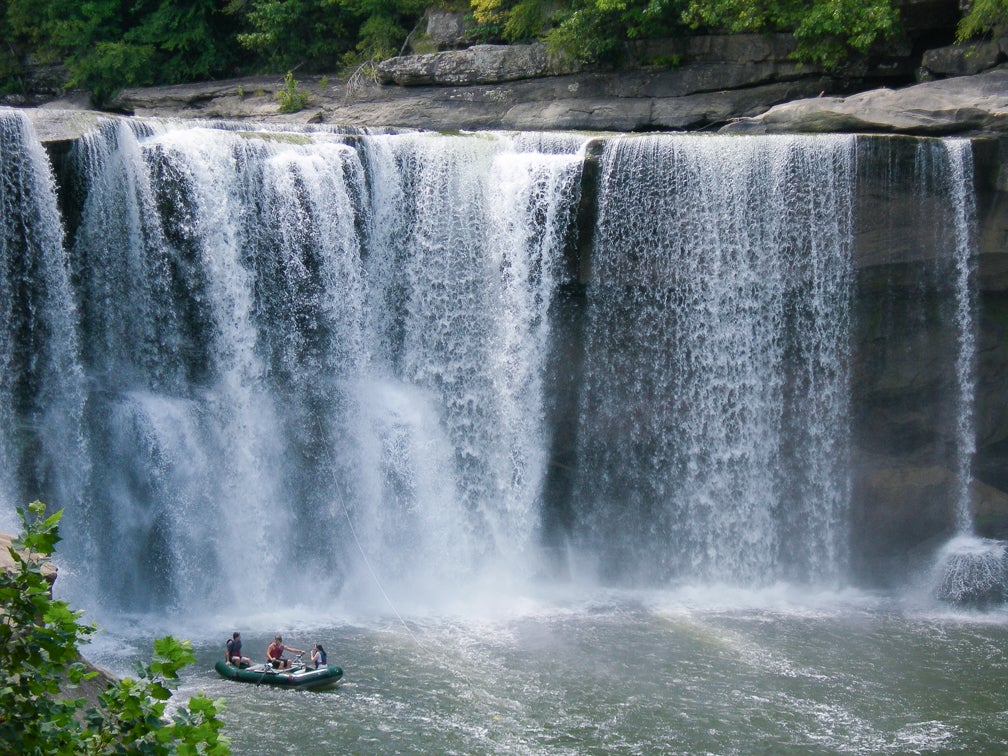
<point x="267" y="668"/>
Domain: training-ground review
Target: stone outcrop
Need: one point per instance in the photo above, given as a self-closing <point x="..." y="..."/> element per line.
<point x="479" y="64"/>
<point x="967" y="104"/>
<point x="691" y="97"/>
<point x="446" y="29"/>
<point x="758" y="96"/>
<point x="962" y="60"/>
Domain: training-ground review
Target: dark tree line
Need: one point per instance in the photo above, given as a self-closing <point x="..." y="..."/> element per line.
<point x="105" y="45"/>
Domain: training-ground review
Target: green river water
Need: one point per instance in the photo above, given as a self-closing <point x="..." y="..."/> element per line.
<point x="637" y="674"/>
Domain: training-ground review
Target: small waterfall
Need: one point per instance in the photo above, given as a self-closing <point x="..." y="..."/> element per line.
<point x="968" y="569"/>
<point x="41" y="384"/>
<point x="714" y="442"/>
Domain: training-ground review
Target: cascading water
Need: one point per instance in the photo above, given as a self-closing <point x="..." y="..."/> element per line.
<point x="264" y="338"/>
<point x="714" y="437"/>
<point x="462" y="264"/>
<point x="282" y="331"/>
<point x="968" y="568"/>
<point x="41" y="384"/>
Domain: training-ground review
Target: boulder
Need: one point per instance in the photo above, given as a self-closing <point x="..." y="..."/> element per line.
<point x="480" y="64"/>
<point x="962" y="60"/>
<point x="448" y="29"/>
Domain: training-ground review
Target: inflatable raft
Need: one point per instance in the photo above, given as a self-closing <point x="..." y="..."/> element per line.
<point x="298" y="676"/>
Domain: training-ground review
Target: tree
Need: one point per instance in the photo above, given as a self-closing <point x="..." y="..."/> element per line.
<point x="985" y="18"/>
<point x="325" y="35"/>
<point x="110" y="44"/>
<point x="828" y="31"/>
<point x="39" y="638"/>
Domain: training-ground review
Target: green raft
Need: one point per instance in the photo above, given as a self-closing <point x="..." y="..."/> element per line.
<point x="298" y="676"/>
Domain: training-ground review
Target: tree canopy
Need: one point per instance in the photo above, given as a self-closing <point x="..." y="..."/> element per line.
<point x="106" y="45"/>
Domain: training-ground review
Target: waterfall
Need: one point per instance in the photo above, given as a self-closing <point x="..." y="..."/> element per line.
<point x="251" y="358"/>
<point x="463" y="262"/>
<point x="714" y="437"/>
<point x="41" y="384"/>
<point x="292" y="341"/>
<point x="967" y="569"/>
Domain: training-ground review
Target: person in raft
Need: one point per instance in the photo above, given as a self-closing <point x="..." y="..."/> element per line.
<point x="233" y="654"/>
<point x="275" y="651"/>
<point x="318" y="655"/>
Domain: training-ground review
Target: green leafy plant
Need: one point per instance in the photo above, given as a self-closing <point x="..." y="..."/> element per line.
<point x="39" y="658"/>
<point x="291" y="98"/>
<point x="985" y="17"/>
<point x="828" y="31"/>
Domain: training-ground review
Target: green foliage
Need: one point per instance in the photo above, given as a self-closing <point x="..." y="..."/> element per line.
<point x="832" y="29"/>
<point x="38" y="642"/>
<point x="39" y="637"/>
<point x="828" y="31"/>
<point x="131" y="717"/>
<point x="327" y="34"/>
<point x="287" y="33"/>
<point x="594" y="31"/>
<point x="109" y="44"/>
<point x="106" y="45"/>
<point x="583" y="34"/>
<point x="291" y="98"/>
<point x="985" y="18"/>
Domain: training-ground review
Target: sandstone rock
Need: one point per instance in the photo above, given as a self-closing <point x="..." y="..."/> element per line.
<point x="53" y="124"/>
<point x="448" y="29"/>
<point x="899" y="508"/>
<point x="480" y="64"/>
<point x="903" y="508"/>
<point x="949" y="106"/>
<point x="990" y="510"/>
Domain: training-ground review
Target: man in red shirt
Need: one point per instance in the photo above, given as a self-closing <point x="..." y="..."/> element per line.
<point x="274" y="653"/>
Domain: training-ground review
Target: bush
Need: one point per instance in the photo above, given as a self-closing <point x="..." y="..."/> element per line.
<point x="39" y="639"/>
<point x="291" y="98"/>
